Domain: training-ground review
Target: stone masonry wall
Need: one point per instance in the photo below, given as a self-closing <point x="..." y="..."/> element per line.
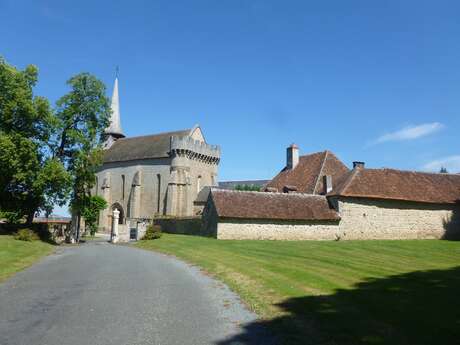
<point x="184" y="226"/>
<point x="362" y="219"/>
<point x="148" y="201"/>
<point x="237" y="229"/>
<point x="389" y="219"/>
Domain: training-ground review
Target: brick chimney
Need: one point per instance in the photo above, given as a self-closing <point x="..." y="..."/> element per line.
<point x="292" y="156"/>
<point x="358" y="165"/>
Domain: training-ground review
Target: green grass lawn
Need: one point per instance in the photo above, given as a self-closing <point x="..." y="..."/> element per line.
<point x="16" y="255"/>
<point x="347" y="292"/>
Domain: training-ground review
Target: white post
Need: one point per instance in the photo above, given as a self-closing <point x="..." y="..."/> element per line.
<point x="116" y="215"/>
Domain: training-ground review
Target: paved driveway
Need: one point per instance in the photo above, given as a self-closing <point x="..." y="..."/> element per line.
<point x="99" y="293"/>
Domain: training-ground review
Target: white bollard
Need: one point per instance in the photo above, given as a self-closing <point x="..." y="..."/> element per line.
<point x="116" y="216"/>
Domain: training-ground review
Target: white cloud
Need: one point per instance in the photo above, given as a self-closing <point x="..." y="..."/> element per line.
<point x="451" y="163"/>
<point x="411" y="132"/>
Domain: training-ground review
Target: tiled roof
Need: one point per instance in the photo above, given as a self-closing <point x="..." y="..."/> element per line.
<point x="273" y="206"/>
<point x="307" y="175"/>
<point x="148" y="146"/>
<point x="399" y="185"/>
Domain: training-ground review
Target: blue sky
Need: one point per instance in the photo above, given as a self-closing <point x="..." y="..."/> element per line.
<point x="377" y="81"/>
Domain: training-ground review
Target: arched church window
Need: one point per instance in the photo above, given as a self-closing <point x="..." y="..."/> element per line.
<point x="158" y="193"/>
<point x="123" y="187"/>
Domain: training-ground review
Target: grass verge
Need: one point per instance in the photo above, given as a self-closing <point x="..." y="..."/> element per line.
<point x="16" y="255"/>
<point x="349" y="292"/>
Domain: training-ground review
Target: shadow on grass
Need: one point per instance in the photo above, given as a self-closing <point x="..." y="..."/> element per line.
<point x="420" y="308"/>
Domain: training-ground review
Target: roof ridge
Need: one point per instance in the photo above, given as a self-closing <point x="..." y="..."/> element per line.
<point x="320" y="170"/>
<point x="313" y="153"/>
<point x="349" y="179"/>
<point x="303" y="195"/>
<point x="244" y="180"/>
<point x="415" y="171"/>
<point x="154" y="135"/>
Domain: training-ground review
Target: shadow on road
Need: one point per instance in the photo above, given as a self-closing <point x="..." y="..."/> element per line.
<point x="420" y="307"/>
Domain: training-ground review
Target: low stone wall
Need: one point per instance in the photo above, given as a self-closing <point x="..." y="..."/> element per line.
<point x="123" y="233"/>
<point x="184" y="226"/>
<point x="240" y="229"/>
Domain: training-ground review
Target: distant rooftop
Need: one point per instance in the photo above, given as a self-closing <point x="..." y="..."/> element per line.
<point x="233" y="184"/>
<point x="52" y="219"/>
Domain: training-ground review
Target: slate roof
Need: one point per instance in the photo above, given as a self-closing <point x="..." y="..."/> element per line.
<point x="399" y="185"/>
<point x="307" y="175"/>
<point x="273" y="206"/>
<point x="144" y="147"/>
<point x="203" y="195"/>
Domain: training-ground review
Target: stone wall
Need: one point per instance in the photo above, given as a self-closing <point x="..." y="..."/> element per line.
<point x="143" y="196"/>
<point x="390" y="219"/>
<point x="237" y="229"/>
<point x="361" y="219"/>
<point x="184" y="226"/>
<point x="193" y="166"/>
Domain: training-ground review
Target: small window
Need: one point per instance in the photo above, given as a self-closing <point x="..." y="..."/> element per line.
<point x="198" y="184"/>
<point x="158" y="193"/>
<point x="123" y="187"/>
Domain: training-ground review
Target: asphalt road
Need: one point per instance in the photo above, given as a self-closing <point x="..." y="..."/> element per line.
<point x="99" y="293"/>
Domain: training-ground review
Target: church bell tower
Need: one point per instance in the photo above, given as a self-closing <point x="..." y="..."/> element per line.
<point x="114" y="131"/>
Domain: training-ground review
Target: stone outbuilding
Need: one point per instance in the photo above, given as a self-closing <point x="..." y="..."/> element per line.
<point x="231" y="214"/>
<point x="317" y="197"/>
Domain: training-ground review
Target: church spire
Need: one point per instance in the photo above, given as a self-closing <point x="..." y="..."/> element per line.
<point x="114" y="131"/>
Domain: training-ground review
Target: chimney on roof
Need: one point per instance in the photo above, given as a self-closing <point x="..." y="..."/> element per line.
<point x="292" y="156"/>
<point x="358" y="165"/>
<point x="327" y="183"/>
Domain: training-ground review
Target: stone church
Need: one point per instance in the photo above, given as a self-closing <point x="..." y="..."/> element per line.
<point x="152" y="176"/>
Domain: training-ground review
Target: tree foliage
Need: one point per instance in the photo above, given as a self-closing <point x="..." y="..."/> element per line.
<point x="90" y="207"/>
<point x="30" y="178"/>
<point x="48" y="156"/>
<point x="247" y="187"/>
<point x="82" y="116"/>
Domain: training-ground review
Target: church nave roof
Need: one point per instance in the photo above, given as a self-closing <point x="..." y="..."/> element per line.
<point x="143" y="147"/>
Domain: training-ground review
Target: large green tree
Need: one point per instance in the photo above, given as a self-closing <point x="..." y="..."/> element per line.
<point x="82" y="115"/>
<point x="48" y="156"/>
<point x="30" y="178"/>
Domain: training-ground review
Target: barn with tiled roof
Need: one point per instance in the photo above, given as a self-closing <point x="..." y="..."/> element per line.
<point x="316" y="197"/>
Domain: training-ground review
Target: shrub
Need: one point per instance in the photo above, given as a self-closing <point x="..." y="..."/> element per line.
<point x="26" y="235"/>
<point x="11" y="217"/>
<point x="153" y="232"/>
<point x="247" y="187"/>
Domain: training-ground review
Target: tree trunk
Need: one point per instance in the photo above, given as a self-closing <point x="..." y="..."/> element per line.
<point x="78" y="229"/>
<point x="30" y="218"/>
